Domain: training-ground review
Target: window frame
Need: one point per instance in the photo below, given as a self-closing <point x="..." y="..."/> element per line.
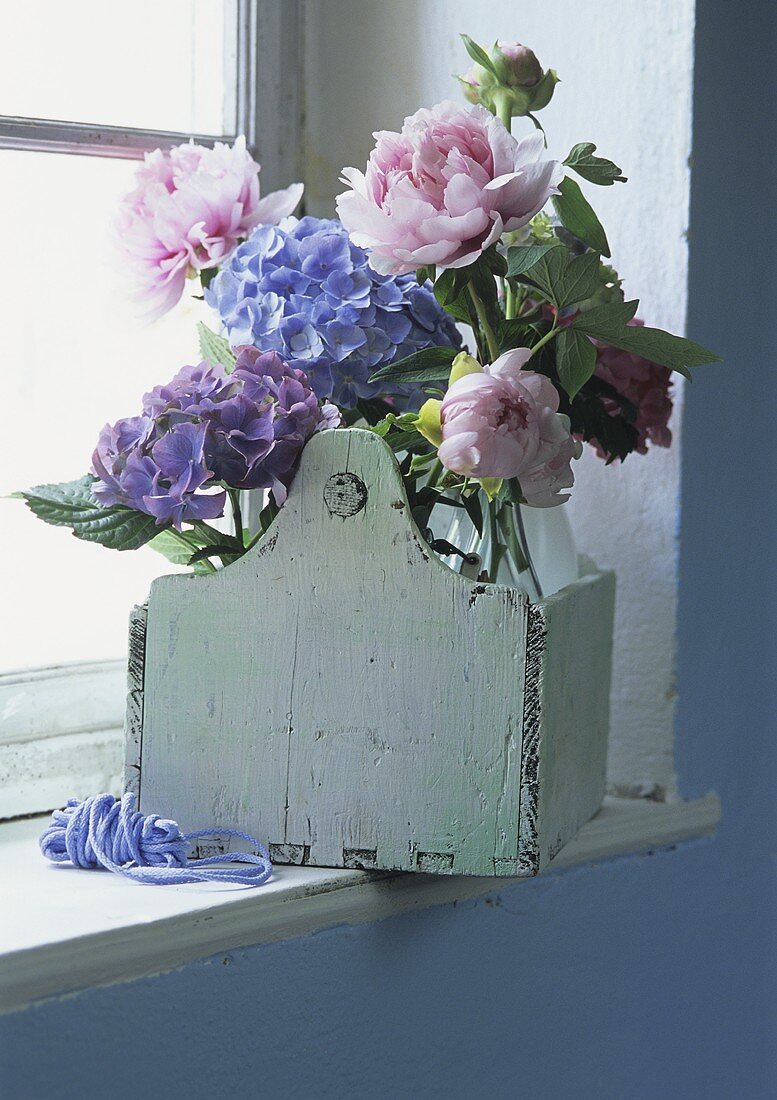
<point x="49" y="716"/>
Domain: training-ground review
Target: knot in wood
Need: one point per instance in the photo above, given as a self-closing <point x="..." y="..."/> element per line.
<point x="345" y="494"/>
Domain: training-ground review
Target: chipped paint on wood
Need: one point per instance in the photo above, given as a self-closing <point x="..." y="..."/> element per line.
<point x="133" y="720"/>
<point x="345" y="696"/>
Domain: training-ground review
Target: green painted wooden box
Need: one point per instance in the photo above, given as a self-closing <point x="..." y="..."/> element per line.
<point x="342" y="694"/>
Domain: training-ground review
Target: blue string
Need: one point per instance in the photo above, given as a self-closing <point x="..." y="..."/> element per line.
<point x="110" y="833"/>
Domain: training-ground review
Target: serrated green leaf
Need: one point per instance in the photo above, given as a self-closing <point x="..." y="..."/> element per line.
<point x="594" y="169"/>
<point x="575" y="359"/>
<point x="215" y="348"/>
<point x="578" y="216"/>
<point x="71" y="504"/>
<point x="524" y="256"/>
<point x="478" y="54"/>
<point x="429" y="365"/>
<point x="674" y="352"/>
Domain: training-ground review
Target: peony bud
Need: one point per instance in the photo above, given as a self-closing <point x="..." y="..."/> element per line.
<point x="516" y="65"/>
<point x="513" y="82"/>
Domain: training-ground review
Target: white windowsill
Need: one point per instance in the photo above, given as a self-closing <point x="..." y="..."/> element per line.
<point x="63" y="930"/>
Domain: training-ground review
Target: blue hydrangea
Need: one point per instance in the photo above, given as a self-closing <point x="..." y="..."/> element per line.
<point x="304" y="290"/>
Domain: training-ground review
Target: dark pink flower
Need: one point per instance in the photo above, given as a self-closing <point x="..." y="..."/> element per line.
<point x="646" y="385"/>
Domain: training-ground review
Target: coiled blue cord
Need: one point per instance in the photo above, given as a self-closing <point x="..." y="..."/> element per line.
<point x="105" y="832"/>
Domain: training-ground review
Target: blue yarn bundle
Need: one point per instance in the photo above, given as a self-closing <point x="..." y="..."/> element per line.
<point x="105" y="832"/>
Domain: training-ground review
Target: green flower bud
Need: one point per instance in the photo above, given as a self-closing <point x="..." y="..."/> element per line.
<point x="463" y="364"/>
<point x="512" y="83"/>
<point x="428" y="422"/>
<point x="516" y="65"/>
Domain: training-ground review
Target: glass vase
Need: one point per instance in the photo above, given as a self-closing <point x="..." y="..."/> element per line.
<point x="531" y="549"/>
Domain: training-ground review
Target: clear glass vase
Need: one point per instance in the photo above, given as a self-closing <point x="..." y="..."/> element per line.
<point x="532" y="549"/>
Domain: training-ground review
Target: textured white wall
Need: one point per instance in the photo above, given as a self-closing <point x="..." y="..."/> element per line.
<point x="626" y="70"/>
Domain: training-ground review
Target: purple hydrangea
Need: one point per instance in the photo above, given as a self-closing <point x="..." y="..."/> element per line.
<point x="303" y="289"/>
<point x="206" y="429"/>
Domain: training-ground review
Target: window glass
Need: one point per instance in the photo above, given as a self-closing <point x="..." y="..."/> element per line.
<point x="74" y="355"/>
<point x="146" y="64"/>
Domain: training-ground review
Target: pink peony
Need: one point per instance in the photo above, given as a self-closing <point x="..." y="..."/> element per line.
<point x="444" y="189"/>
<point x="190" y="208"/>
<point x="503" y="422"/>
<point x="647" y="385"/>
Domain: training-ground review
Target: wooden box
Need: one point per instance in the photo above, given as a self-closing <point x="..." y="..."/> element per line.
<point x="343" y="695"/>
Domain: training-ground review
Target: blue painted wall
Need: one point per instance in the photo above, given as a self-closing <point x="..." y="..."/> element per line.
<point x="645" y="977"/>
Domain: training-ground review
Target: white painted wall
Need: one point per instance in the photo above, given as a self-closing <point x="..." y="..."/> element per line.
<point x="626" y="69"/>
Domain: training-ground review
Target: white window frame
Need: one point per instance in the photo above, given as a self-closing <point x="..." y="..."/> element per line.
<point x="61" y="727"/>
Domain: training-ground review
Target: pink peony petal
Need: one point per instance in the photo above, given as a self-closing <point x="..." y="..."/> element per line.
<point x="452" y="176"/>
<point x="276" y="206"/>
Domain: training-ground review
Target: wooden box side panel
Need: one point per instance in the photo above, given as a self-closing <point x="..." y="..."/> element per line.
<point x="133" y="716"/>
<point x="339" y="692"/>
<point x="572" y="633"/>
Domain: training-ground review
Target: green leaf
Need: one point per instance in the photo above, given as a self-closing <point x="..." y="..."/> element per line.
<point x="564" y="278"/>
<point x="608" y="320"/>
<point x="478" y="54"/>
<point x="494" y="261"/>
<point x="450" y="290"/>
<point x="177" y="547"/>
<point x="524" y="256"/>
<point x="575" y="359"/>
<point x="577" y="215"/>
<point x="400" y="433"/>
<point x="71" y="504"/>
<point x="425" y="273"/>
<point x="471" y="502"/>
<point x="520" y="332"/>
<point x="594" y="169"/>
<point x="608" y="325"/>
<point x="206" y="552"/>
<point x="429" y="365"/>
<point x="207" y="275"/>
<point x="215" y="348"/>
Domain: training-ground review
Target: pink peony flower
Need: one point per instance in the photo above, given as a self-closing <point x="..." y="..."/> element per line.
<point x="190" y="208"/>
<point x="647" y="385"/>
<point x="444" y="189"/>
<point x="503" y="422"/>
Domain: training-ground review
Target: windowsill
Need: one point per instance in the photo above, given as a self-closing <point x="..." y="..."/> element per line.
<point x="63" y="930"/>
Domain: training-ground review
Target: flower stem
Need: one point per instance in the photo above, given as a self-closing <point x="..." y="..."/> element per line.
<point x="237" y="515"/>
<point x="509" y="301"/>
<point x="497" y="548"/>
<point x="488" y="332"/>
<point x="504" y="108"/>
<point x="546" y="338"/>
